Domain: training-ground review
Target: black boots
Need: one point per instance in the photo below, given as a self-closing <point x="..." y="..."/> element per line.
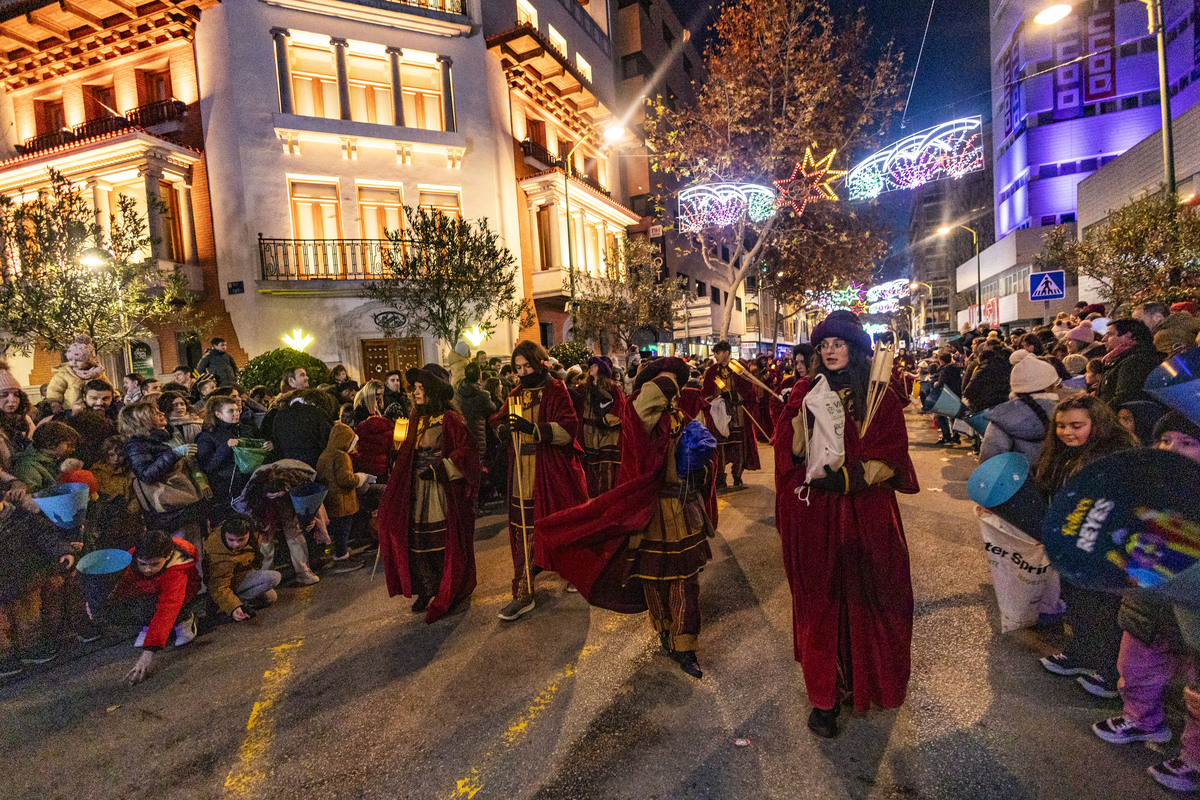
<point x="823" y="722"/>
<point x="688" y="663"/>
<point x="421" y="603"/>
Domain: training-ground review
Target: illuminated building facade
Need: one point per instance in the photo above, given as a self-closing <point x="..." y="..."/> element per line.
<point x="1067" y="99"/>
<point x="105" y="92"/>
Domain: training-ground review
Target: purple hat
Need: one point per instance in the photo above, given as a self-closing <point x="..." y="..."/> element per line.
<point x="604" y="363"/>
<point x="842" y="324"/>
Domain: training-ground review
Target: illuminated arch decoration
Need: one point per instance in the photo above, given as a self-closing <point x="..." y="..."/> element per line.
<point x="950" y="150"/>
<point x="719" y="205"/>
<point x="885" y="298"/>
<point x="810" y="180"/>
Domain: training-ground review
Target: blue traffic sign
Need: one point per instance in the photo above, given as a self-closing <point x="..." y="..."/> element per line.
<point x="1050" y="285"/>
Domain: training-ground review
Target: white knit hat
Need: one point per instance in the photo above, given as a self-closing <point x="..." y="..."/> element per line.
<point x="1030" y="374"/>
<point x="7" y="379"/>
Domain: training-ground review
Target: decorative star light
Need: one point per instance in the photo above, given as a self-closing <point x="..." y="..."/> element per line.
<point x="720" y="205"/>
<point x="850" y="297"/>
<point x="298" y="340"/>
<point x="810" y="180"/>
<point x="475" y="336"/>
<point x="949" y="150"/>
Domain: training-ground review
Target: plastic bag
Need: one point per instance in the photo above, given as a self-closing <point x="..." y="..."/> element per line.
<point x="695" y="450"/>
<point x="721" y="416"/>
<point x="824" y="442"/>
<point x="248" y="458"/>
<point x="1025" y="583"/>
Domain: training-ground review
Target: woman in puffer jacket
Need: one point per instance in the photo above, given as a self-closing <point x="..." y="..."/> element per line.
<point x="1020" y="424"/>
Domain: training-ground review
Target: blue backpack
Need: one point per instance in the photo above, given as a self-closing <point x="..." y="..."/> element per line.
<point x="696" y="448"/>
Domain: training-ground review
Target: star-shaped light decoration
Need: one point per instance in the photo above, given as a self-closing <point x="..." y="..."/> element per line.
<point x="809" y="181"/>
<point x="298" y="340"/>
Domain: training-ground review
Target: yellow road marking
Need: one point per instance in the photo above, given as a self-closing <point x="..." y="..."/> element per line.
<point x="248" y="773"/>
<point x="469" y="786"/>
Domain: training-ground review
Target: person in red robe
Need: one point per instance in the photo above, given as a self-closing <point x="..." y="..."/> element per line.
<point x="427" y="514"/>
<point x="844" y="549"/>
<point x="649" y="556"/>
<point x="738" y="448"/>
<point x="598" y="404"/>
<point x="551" y="477"/>
<point x="802" y="355"/>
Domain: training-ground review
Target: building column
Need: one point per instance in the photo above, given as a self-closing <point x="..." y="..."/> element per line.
<point x="394" y="54"/>
<point x="100" y="206"/>
<point x="447" y="95"/>
<point x="187" y="224"/>
<point x="151" y="175"/>
<point x="536" y="238"/>
<point x="558" y="237"/>
<point x="343" y="75"/>
<point x="283" y="68"/>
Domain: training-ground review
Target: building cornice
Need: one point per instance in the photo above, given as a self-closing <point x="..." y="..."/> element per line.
<point x="392" y="13"/>
<point x="82" y="159"/>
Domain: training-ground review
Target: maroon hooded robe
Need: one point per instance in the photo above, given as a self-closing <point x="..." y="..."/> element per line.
<point x="846" y="561"/>
<point x="395" y="516"/>
<point x="741" y="386"/>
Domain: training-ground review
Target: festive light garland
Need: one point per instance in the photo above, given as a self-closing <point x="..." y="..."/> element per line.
<point x="718" y="205"/>
<point x="810" y="180"/>
<point x="884" y="307"/>
<point x="887" y="291"/>
<point x="950" y="150"/>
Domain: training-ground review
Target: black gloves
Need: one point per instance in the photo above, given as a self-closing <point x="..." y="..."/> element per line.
<point x="521" y="425"/>
<point x="846" y="481"/>
<point x="427" y="474"/>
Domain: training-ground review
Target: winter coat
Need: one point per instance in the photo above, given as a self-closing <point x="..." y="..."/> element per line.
<point x="1015" y="427"/>
<point x="390" y="397"/>
<point x="66" y="387"/>
<point x="220" y="365"/>
<point x="988" y="385"/>
<point x="214" y="456"/>
<point x="373" y="453"/>
<point x="336" y="471"/>
<point x="949" y="376"/>
<point x="36" y="469"/>
<point x="171" y="589"/>
<point x="186" y="428"/>
<point x="300" y="431"/>
<point x="476" y="406"/>
<point x="30" y="547"/>
<point x="225" y="569"/>
<point x="151" y="459"/>
<point x="1123" y="380"/>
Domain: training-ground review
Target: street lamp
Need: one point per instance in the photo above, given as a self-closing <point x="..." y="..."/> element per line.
<point x="97" y="258"/>
<point x="978" y="270"/>
<point x="1154" y="20"/>
<point x="612" y="133"/>
<point x="915" y="286"/>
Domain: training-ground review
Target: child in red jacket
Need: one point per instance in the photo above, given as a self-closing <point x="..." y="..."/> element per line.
<point x="154" y="592"/>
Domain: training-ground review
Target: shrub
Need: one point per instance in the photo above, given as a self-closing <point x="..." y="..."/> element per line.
<point x="571" y="353"/>
<point x="268" y="368"/>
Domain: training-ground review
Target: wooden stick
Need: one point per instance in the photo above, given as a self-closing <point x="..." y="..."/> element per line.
<point x="752" y="419"/>
<point x="742" y="371"/>
<point x="516" y="436"/>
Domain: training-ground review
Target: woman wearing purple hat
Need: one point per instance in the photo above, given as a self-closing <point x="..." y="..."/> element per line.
<point x="844" y="550"/>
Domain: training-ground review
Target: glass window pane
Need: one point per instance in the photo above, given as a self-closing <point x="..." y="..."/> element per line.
<point x="365" y="68"/>
<point x="433" y="112"/>
<point x="329" y="98"/>
<point x="358" y="104"/>
<point x="312" y="60"/>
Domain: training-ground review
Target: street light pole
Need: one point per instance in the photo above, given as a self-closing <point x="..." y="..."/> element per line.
<point x="978" y="267"/>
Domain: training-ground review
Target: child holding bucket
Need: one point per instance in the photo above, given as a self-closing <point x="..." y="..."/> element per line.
<point x="1083" y="430"/>
<point x="223" y="431"/>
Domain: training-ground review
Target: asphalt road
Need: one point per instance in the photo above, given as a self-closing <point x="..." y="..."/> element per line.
<point x="340" y="692"/>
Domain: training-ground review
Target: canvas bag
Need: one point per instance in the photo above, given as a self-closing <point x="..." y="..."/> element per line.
<point x="176" y="492"/>
<point x="1025" y="583"/>
<point x="719" y="410"/>
<point x="823" y="442"/>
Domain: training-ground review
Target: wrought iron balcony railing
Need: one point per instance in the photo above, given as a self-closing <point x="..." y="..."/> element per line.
<point x="153" y="114"/>
<point x="329" y="259"/>
<point x="146" y="116"/>
<point x="449" y="6"/>
<point x="531" y="149"/>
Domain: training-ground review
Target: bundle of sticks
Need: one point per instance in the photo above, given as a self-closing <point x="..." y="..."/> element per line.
<point x="878" y="383"/>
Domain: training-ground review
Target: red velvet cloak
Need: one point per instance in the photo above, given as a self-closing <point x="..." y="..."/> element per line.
<point x="395" y="512"/>
<point x="589" y="545"/>
<point x="558" y="480"/>
<point x="847" y="563"/>
<point x="740" y="385"/>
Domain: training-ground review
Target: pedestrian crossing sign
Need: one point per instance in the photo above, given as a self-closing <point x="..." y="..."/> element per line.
<point x="1050" y="285"/>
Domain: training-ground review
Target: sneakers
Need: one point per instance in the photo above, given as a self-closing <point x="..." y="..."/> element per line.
<point x="1100" y="686"/>
<point x="306" y="578"/>
<point x="39" y="655"/>
<point x="263" y="600"/>
<point x="1119" y="730"/>
<point x="185" y="631"/>
<point x="346" y="564"/>
<point x="1176" y="774"/>
<point x="518" y="606"/>
<point x="1061" y="665"/>
<point x="88" y="631"/>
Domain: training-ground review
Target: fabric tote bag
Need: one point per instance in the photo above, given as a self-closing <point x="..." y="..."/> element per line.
<point x="824" y="442"/>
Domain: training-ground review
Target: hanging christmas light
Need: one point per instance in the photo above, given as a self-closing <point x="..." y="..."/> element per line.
<point x="719" y="205"/>
<point x="810" y="180"/>
<point x="950" y="150"/>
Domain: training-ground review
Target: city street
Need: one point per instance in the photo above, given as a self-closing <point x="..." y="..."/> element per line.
<point x="339" y="691"/>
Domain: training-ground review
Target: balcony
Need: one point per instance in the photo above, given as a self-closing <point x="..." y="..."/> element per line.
<point x="152" y="115"/>
<point x="328" y="259"/>
<point x="538" y="156"/>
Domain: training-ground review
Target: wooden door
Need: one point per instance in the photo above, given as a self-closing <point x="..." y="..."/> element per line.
<point x="381" y="356"/>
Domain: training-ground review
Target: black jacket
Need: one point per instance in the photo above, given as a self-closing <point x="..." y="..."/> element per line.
<point x="30" y="548"/>
<point x="950" y="377"/>
<point x="214" y="456"/>
<point x="301" y="432"/>
<point x="1123" y="380"/>
<point x="220" y="365"/>
<point x="151" y="459"/>
<point x="989" y="384"/>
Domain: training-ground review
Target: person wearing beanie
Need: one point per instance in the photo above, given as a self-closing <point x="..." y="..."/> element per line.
<point x="1076" y="364"/>
<point x="844" y="550"/>
<point x="427" y="514"/>
<point x="649" y="556"/>
<point x="81" y="366"/>
<point x="737" y="444"/>
<point x="599" y="403"/>
<point x="14" y="410"/>
<point x="551" y="477"/>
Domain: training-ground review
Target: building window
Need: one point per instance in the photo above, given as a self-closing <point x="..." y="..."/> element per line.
<point x="422" y="89"/>
<point x="737" y="303"/>
<point x="380" y="209"/>
<point x="565" y="146"/>
<point x="526" y="14"/>
<point x="370" y="89"/>
<point x="315" y="212"/>
<point x="51" y="117"/>
<point x="100" y="101"/>
<point x="535" y="131"/>
<point x="544" y="221"/>
<point x="174" y="222"/>
<point x="668" y="37"/>
<point x="715" y="293"/>
<point x="154" y="85"/>
<point x="314" y="82"/>
<point x="635" y="64"/>
<point x="584" y="68"/>
<point x="444" y="200"/>
<point x="701" y="289"/>
<point x="687" y="66"/>
<point x="557" y="40"/>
